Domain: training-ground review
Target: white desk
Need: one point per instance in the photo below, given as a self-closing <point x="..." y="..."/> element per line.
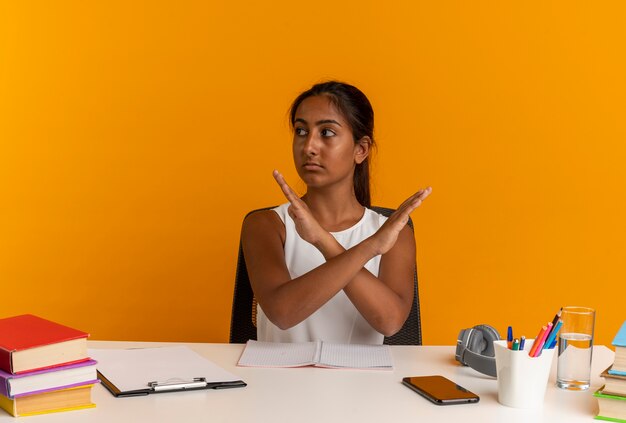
<point x="327" y="395"/>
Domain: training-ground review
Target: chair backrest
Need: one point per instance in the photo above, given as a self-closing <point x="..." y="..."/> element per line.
<point x="242" y="326"/>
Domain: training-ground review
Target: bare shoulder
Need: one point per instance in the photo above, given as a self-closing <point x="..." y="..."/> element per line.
<point x="264" y="224"/>
<point x="263" y="240"/>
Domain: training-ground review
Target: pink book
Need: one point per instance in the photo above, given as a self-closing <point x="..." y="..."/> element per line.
<point x="39" y="381"/>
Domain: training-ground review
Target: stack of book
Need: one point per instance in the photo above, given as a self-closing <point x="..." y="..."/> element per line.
<point x="44" y="367"/>
<point x="612" y="396"/>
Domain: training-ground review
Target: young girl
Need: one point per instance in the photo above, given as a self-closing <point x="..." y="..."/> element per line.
<point x="325" y="266"/>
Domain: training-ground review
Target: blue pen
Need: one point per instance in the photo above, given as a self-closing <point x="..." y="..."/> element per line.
<point x="522" y="341"/>
<point x="552" y="337"/>
<point x="509" y="338"/>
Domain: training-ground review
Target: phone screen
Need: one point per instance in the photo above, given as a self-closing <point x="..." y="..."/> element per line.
<point x="440" y="390"/>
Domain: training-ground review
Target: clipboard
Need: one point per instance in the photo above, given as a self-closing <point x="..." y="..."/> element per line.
<point x="137" y="372"/>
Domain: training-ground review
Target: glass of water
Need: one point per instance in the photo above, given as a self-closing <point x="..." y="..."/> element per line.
<point x="575" y="346"/>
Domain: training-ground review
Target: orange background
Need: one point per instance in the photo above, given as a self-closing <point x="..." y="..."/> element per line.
<point x="134" y="137"/>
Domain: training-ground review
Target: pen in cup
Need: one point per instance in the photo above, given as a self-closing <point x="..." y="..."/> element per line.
<point x="553" y="344"/>
<point x="541" y="334"/>
<point x="552" y="336"/>
<point x="515" y="345"/>
<point x="557" y="317"/>
<point x="542" y="341"/>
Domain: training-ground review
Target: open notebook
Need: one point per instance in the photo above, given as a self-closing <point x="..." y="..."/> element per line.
<point x="320" y="354"/>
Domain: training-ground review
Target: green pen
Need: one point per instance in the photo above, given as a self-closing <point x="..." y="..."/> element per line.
<point x="515" y="344"/>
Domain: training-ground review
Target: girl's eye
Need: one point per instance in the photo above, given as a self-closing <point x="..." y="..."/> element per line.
<point x="328" y="133"/>
<point x="301" y="132"/>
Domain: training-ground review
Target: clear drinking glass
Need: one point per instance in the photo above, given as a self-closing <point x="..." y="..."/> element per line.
<point x="575" y="347"/>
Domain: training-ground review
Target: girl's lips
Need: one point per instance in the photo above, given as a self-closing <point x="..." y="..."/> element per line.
<point x="309" y="166"/>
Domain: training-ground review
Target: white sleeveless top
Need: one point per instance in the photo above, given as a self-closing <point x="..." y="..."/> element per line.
<point x="338" y="320"/>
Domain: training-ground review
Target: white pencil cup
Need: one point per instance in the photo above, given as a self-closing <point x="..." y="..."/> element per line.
<point x="522" y="379"/>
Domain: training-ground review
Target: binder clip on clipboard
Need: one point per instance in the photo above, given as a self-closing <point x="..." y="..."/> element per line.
<point x="178" y="385"/>
<point x="196" y="383"/>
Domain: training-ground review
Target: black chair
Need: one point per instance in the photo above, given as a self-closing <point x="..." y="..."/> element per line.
<point x="242" y="326"/>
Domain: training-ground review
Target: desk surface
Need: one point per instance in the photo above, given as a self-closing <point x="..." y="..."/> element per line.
<point x="330" y="395"/>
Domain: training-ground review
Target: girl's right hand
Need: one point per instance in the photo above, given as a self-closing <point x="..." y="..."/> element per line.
<point x="385" y="238"/>
<point x="307" y="226"/>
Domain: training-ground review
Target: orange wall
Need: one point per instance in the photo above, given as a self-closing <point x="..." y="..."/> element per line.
<point x="134" y="136"/>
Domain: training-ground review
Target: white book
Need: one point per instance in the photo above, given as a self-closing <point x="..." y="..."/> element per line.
<point x="320" y="354"/>
<point x="54" y="378"/>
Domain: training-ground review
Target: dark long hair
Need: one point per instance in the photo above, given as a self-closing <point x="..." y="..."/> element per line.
<point x="357" y="110"/>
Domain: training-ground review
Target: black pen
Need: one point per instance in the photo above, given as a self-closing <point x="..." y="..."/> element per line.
<point x="554" y="322"/>
<point x="557" y="317"/>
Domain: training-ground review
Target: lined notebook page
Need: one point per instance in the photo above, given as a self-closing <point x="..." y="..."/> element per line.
<point x="356" y="356"/>
<point x="278" y="354"/>
<point x="349" y="356"/>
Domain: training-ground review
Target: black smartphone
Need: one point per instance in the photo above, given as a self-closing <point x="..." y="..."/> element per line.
<point x="440" y="390"/>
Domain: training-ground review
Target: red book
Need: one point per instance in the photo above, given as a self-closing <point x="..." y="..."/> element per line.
<point x="30" y="343"/>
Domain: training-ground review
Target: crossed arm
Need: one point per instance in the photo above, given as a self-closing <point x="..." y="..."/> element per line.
<point x="384" y="301"/>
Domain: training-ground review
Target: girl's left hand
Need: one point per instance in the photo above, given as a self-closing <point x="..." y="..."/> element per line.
<point x="307" y="226"/>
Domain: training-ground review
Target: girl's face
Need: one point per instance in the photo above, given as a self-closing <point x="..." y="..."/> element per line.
<point x="324" y="150"/>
